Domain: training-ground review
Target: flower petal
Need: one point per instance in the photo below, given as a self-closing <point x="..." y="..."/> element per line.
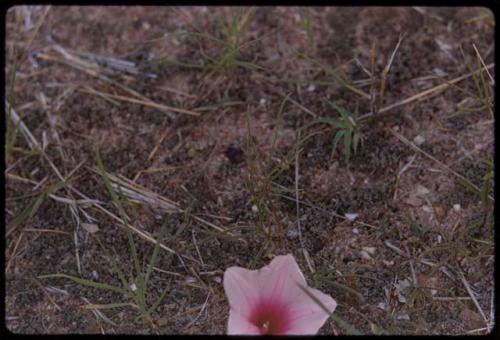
<point x="239" y="325"/>
<point x="306" y="316"/>
<point x="242" y="289"/>
<point x="280" y="279"/>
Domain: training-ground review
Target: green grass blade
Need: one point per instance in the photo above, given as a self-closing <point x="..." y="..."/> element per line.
<point x="336" y="139"/>
<point x="155" y="252"/>
<point x="347" y="145"/>
<point x="115" y="267"/>
<point x="27" y="213"/>
<point x="86" y="282"/>
<point x="117" y="202"/>
<point x="351" y="330"/>
<point x="157" y="303"/>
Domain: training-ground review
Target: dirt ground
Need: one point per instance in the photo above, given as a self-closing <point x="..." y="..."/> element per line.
<point x="190" y="112"/>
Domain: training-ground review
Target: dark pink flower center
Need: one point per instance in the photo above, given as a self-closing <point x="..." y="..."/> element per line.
<point x="270" y="317"/>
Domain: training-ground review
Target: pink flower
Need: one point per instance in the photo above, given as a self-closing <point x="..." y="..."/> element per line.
<point x="271" y="301"/>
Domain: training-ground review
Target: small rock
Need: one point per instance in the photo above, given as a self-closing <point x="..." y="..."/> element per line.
<point x="90" y="227"/>
<point x="382" y="305"/>
<point x="255" y="209"/>
<point x="427" y="208"/>
<point x="419" y="140"/>
<point x="262" y="101"/>
<point x="133" y="287"/>
<point x="369" y="250"/>
<point x="355" y="231"/>
<point x="190" y="279"/>
<point x="351" y="217"/>
<point x="403" y="316"/>
<point x="311" y="88"/>
<point x="456" y="207"/>
<point x="364" y="254"/>
<point x="292" y="233"/>
<point x="422" y="191"/>
<point x="235" y="154"/>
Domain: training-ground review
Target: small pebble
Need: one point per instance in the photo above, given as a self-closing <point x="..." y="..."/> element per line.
<point x="255" y="209"/>
<point x="133" y="287"/>
<point x="382" y="305"/>
<point x="456" y="207"/>
<point x="369" y="250"/>
<point x="355" y="231"/>
<point x="364" y="254"/>
<point x="403" y="316"/>
<point x="419" y="140"/>
<point x="311" y="88"/>
<point x="351" y="217"/>
<point x="293" y="233"/>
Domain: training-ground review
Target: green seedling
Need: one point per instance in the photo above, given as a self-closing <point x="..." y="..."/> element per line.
<point x="348" y="129"/>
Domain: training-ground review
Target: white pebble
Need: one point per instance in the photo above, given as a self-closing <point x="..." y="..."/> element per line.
<point x="419" y="140"/>
<point x="255" y="209"/>
<point x="355" y="231"/>
<point x="351" y="217"/>
<point x="456" y="207"/>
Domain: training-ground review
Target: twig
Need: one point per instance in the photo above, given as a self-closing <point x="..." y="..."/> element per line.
<point x="484" y="65"/>
<point x="434" y="90"/>
<point x="30" y="139"/>
<point x="199" y="314"/>
<point x="471" y="293"/>
<point x="416" y="148"/>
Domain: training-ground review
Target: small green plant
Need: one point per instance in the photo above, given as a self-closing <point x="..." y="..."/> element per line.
<point x="261" y="173"/>
<point x="418" y="229"/>
<point x="348" y="129"/>
<point x="350" y="329"/>
<point x="231" y="44"/>
<point x="135" y="289"/>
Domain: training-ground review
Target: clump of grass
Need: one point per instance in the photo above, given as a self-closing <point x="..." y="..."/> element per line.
<point x="482" y="99"/>
<point x="231" y="44"/>
<point x="261" y="173"/>
<point x="348" y="127"/>
<point x="133" y="290"/>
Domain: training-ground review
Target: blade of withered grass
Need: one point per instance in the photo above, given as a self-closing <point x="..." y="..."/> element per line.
<point x="141" y="194"/>
<point x="95" y="71"/>
<point x="142" y="102"/>
<point x="456" y="174"/>
<point x="430" y="92"/>
<point x="86" y="282"/>
<point x="116" y="200"/>
<point x="351" y="330"/>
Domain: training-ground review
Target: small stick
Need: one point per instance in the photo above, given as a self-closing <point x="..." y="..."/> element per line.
<point x="416" y="148"/>
<point x="433" y="90"/>
<point x="471" y="293"/>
